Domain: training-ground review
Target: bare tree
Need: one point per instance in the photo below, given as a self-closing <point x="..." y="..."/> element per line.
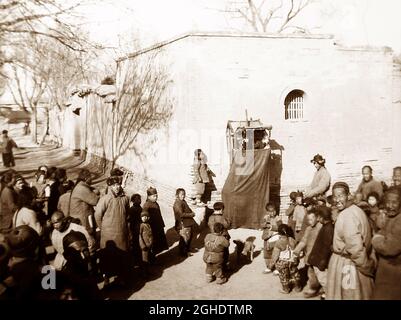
<point x="142" y="104"/>
<point x="46" y="18"/>
<point x="48" y="71"/>
<point x="29" y="80"/>
<point x="275" y="16"/>
<point x="68" y="69"/>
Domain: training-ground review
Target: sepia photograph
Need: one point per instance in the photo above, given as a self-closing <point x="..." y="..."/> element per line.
<point x="208" y="152"/>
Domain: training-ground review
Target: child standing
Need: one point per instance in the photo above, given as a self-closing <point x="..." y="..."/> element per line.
<point x="374" y="213"/>
<point x="134" y="216"/>
<point x="321" y="252"/>
<point x="145" y="241"/>
<point x="290" y="211"/>
<point x="215" y="246"/>
<point x="184" y="222"/>
<point x="299" y="216"/>
<point x="218" y="217"/>
<point x="269" y="235"/>
<point x="285" y="261"/>
<point x="201" y="176"/>
<point x="156" y="221"/>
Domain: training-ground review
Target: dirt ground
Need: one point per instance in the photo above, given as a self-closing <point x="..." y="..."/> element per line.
<point x="174" y="277"/>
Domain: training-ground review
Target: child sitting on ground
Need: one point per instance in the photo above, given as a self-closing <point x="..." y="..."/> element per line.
<point x="270" y="226"/>
<point x="217" y="216"/>
<point x="215" y="246"/>
<point x="285" y="261"/>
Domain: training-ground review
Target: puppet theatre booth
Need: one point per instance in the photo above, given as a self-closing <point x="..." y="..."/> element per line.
<point x="246" y="189"/>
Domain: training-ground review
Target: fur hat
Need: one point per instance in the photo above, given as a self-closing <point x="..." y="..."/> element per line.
<point x="341" y="184"/>
<point x="113" y="180"/>
<point x="318" y="159"/>
<point x="22" y="241"/>
<point x="151" y="191"/>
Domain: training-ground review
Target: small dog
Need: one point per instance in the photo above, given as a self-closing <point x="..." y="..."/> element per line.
<point x="245" y="249"/>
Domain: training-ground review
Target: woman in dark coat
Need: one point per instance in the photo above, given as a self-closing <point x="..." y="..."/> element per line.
<point x="156" y="221"/>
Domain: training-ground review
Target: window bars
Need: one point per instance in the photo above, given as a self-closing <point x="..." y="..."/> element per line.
<point x="294" y="105"/>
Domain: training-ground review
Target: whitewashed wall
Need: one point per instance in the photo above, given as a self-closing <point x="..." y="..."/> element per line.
<point x="350" y="112"/>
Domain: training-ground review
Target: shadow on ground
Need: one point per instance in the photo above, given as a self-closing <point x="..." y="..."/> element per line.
<point x="165" y="260"/>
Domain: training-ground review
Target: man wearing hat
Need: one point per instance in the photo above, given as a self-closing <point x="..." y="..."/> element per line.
<point x="321" y="180"/>
<point x="111" y="215"/>
<point x="351" y="269"/>
<point x="23" y="245"/>
<point x="156" y="221"/>
<point x="77" y="272"/>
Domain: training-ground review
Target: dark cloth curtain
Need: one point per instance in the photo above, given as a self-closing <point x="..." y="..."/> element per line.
<point x="246" y="190"/>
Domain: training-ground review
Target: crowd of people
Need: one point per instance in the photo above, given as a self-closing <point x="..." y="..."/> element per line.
<point x="94" y="237"/>
<point x="350" y="242"/>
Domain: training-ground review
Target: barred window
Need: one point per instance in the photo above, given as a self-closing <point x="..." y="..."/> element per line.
<point x="294" y="105"/>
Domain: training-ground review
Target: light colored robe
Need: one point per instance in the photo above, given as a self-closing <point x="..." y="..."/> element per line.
<point x="351" y="267"/>
<point x="320" y="183"/>
<point x="111" y="214"/>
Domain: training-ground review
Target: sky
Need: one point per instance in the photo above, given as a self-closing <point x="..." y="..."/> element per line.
<point x="133" y="23"/>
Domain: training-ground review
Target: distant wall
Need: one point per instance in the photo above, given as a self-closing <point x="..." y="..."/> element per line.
<point x="352" y="108"/>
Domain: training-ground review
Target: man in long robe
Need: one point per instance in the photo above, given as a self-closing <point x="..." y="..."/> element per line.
<point x="351" y="268"/>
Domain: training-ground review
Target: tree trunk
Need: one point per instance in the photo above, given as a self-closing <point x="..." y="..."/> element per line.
<point x="34" y="124"/>
<point x="46" y="132"/>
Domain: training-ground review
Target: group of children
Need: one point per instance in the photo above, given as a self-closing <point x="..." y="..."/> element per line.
<point x="285" y="242"/>
<point x="216" y="243"/>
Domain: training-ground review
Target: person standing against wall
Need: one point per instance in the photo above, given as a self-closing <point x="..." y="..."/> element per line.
<point x="203" y="178"/>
